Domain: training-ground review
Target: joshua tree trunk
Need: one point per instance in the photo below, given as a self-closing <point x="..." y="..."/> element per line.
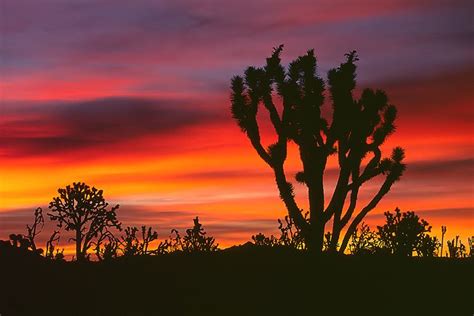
<point x="79" y="254"/>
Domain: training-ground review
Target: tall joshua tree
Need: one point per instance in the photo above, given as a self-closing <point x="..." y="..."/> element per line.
<point x="354" y="135"/>
<point x="83" y="210"/>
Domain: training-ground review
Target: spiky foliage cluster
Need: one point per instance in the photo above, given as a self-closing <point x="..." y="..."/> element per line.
<point x="83" y="210"/>
<point x="354" y="134"/>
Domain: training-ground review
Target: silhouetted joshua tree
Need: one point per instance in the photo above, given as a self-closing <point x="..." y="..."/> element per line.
<point x="404" y="233"/>
<point x="83" y="210"/>
<point x="355" y="134"/>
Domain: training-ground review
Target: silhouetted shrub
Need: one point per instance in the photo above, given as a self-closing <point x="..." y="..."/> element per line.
<point x="25" y="244"/>
<point x="51" y="251"/>
<point x="403" y="233"/>
<point x="456" y="248"/>
<point x="195" y="240"/>
<point x="364" y="241"/>
<point x="470" y="241"/>
<point x="428" y="246"/>
<point x="106" y="246"/>
<point x="131" y="245"/>
<point x="263" y="241"/>
<point x="172" y="244"/>
<point x="290" y="236"/>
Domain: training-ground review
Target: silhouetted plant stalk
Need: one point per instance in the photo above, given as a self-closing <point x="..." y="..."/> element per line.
<point x="357" y="130"/>
<point x="443" y="232"/>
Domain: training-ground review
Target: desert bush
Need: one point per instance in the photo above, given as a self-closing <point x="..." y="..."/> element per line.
<point x="195" y="240"/>
<point x="364" y="241"/>
<point x="456" y="249"/>
<point x="263" y="241"/>
<point x="290" y="236"/>
<point x="132" y="245"/>
<point x="52" y="252"/>
<point x="402" y="233"/>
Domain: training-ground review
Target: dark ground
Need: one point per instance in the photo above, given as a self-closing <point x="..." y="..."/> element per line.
<point x="239" y="282"/>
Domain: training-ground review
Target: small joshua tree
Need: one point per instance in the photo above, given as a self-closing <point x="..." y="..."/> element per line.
<point x="83" y="210"/>
<point x="354" y="135"/>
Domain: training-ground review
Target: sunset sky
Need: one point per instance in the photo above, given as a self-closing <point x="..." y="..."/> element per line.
<point x="133" y="98"/>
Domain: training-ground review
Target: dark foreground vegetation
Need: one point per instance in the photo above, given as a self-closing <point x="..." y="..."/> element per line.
<point x="245" y="280"/>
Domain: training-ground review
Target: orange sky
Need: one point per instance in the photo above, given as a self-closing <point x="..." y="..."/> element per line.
<point x="138" y="105"/>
